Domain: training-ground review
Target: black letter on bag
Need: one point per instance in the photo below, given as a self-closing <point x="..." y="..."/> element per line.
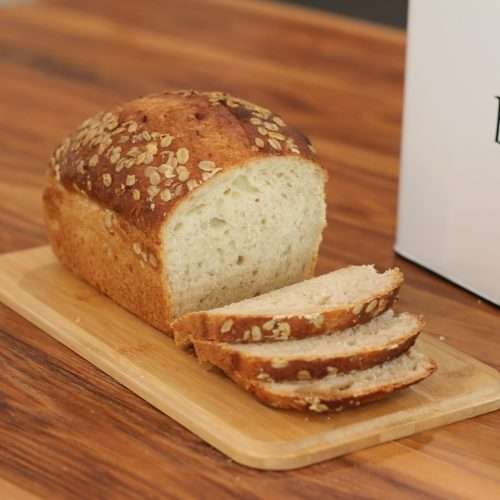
<point x="497" y="138"/>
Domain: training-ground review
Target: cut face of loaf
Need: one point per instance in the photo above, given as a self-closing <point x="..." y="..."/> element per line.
<point x="383" y="338"/>
<point x="327" y="303"/>
<point x="185" y="201"/>
<point x="341" y="391"/>
<point x="246" y="232"/>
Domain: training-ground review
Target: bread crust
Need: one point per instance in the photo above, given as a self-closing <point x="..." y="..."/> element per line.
<point x="278" y="369"/>
<point x="323" y="402"/>
<point x="210" y="326"/>
<point x="108" y="252"/>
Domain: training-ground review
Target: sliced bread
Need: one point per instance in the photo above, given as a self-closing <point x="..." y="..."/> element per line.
<point x="363" y="346"/>
<point x="341" y="391"/>
<point x="327" y="303"/>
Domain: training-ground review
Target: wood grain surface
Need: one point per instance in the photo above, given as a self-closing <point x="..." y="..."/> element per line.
<point x="143" y="359"/>
<point x="69" y="431"/>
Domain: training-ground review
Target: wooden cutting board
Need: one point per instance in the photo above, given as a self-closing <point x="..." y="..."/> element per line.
<point x="147" y="362"/>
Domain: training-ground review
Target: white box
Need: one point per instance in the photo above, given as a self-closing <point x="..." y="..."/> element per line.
<point x="449" y="198"/>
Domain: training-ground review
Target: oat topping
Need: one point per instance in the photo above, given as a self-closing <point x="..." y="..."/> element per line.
<point x="114" y="151"/>
<point x="255" y="333"/>
<point x="226" y="326"/>
<point x="318" y="406"/>
<point x="279" y="363"/>
<point x="281" y="331"/>
<point x="304" y="375"/>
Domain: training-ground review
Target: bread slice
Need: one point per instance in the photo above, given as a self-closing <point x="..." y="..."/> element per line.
<point x="327" y="303"/>
<point x="337" y="392"/>
<point x="357" y="348"/>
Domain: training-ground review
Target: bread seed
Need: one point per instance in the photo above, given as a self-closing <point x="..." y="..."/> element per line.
<point x="382" y="305"/>
<point x="303" y="375"/>
<point x="226" y="326"/>
<point x="149" y="171"/>
<point x="152" y="260"/>
<point x="256" y="333"/>
<point x="279" y="363"/>
<point x="255" y="121"/>
<point x="271" y="126"/>
<point x="269" y="325"/>
<point x="277" y="135"/>
<point x="93" y="161"/>
<point x="153" y="191"/>
<point x="275" y="144"/>
<point x="107" y="179"/>
<point x="318" y="407"/>
<point x="136" y="194"/>
<point x="206" y="165"/>
<point x="282" y="331"/>
<point x="166" y="195"/>
<point x="182" y="155"/>
<point x="80" y="167"/>
<point x="121" y="165"/>
<point x="182" y="173"/>
<point x="154" y="178"/>
<point x="317" y="320"/>
<point x="130" y="180"/>
<point x="262" y="130"/>
<point x="371" y="306"/>
<point x="132" y="127"/>
<point x="191" y="184"/>
<point x="264" y="377"/>
<point x="137" y="248"/>
<point x="232" y="103"/>
<point x="166" y="170"/>
<point x="165" y="140"/>
<point x="259" y="142"/>
<point x="140" y="159"/>
<point x="279" y="121"/>
<point x="357" y="309"/>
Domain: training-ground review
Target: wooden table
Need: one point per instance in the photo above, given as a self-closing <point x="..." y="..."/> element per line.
<point x="69" y="431"/>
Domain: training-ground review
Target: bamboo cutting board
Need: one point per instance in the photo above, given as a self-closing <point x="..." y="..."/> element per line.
<point x="147" y="362"/>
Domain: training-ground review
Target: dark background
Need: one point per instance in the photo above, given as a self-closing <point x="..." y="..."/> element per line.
<point x="389" y="12"/>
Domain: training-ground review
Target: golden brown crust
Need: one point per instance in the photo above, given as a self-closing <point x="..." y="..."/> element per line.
<point x="324" y="402"/>
<point x="108" y="252"/>
<point x="142" y="158"/>
<point x="210" y="326"/>
<point x="309" y="367"/>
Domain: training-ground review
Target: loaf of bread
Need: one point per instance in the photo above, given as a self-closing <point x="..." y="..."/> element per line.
<point x="185" y="201"/>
